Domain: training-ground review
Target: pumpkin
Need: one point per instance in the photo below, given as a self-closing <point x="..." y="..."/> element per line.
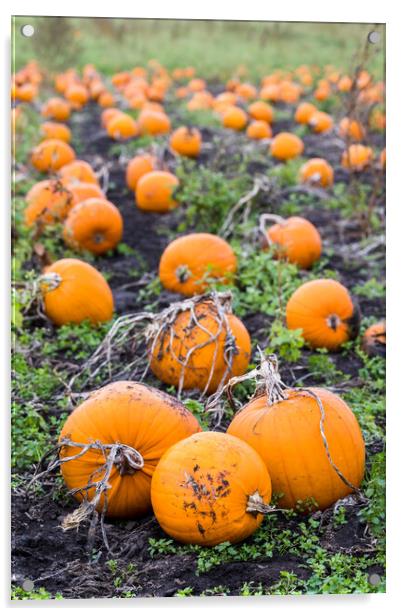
<point x="154" y="191"/>
<point x="357" y="157"/>
<point x="287" y="430"/>
<point x="51" y="155"/>
<point x="196" y="353"/>
<point x="345" y="84"/>
<point x="377" y="120"/>
<point x="325" y="312"/>
<point x="374" y="339"/>
<point x="285" y="146"/>
<point x="78" y="171"/>
<point x="259" y="129"/>
<point x="235" y="118"/>
<point x="352" y="129"/>
<point x="210" y="488"/>
<point x="317" y="171"/>
<point x="321" y="122"/>
<point x="108" y="114"/>
<point x="84" y="190"/>
<point x="143" y="423"/>
<point x="304" y="112"/>
<point x="289" y="92"/>
<point x="296" y="239"/>
<point x="73" y="291"/>
<point x="137" y="167"/>
<point x="383" y="158"/>
<point x="270" y="92"/>
<point x="106" y="99"/>
<point x="246" y="91"/>
<point x="77" y="93"/>
<point x="260" y="110"/>
<point x="121" y="127"/>
<point x="196" y="85"/>
<point x="186" y="141"/>
<point x="189" y="261"/>
<point x="151" y="122"/>
<point x="26" y="93"/>
<point x="48" y="202"/>
<point x="56" y="108"/>
<point x="200" y="100"/>
<point x="95" y="225"/>
<point x="55" y="130"/>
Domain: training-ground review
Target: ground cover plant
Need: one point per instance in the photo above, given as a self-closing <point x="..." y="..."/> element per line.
<point x="182" y="231"/>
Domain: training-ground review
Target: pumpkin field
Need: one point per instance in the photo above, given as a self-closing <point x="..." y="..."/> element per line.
<point x="198" y="309"/>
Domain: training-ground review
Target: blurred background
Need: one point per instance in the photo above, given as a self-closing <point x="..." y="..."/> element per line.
<point x="214" y="48"/>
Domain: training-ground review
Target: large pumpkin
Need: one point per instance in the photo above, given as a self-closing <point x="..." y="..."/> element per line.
<point x="186" y="141"/>
<point x="297" y="240"/>
<point x="95" y="225"/>
<point x="203" y="348"/>
<point x="325" y="312"/>
<point x="288" y="437"/>
<point x="210" y="488"/>
<point x="74" y="291"/>
<point x="188" y="261"/>
<point x="137" y="417"/>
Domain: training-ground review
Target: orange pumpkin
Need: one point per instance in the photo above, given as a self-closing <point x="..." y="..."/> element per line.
<point x="26" y="93"/>
<point x="154" y="191"/>
<point x="345" y="84"/>
<point x="260" y="110"/>
<point x="196" y="85"/>
<point x="383" y="158"/>
<point x="106" y="99"/>
<point x="189" y="261"/>
<point x="78" y="171"/>
<point x="186" y="141"/>
<point x="108" y="114"/>
<point x="287" y="436"/>
<point x="357" y="157"/>
<point x="304" y="112"/>
<point x="374" y="339"/>
<point x="352" y="129"/>
<point x="121" y="126"/>
<point x="84" y="190"/>
<point x="297" y="240"/>
<point x="285" y="146"/>
<point x="235" y="118"/>
<point x="317" y="171"/>
<point x="205" y="489"/>
<point x="77" y="93"/>
<point x="56" y="108"/>
<point x="321" y="122"/>
<point x="259" y="129"/>
<point x="48" y="202"/>
<point x="144" y="421"/>
<point x="95" y="225"/>
<point x="55" y="130"/>
<point x="51" y="155"/>
<point x="152" y="122"/>
<point x="246" y="91"/>
<point x="195" y="356"/>
<point x="325" y="312"/>
<point x="137" y="167"/>
<point x="73" y="291"/>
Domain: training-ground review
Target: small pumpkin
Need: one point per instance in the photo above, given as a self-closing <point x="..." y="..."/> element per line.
<point x="73" y="291"/>
<point x="108" y="114"/>
<point x="296" y="239"/>
<point x="285" y="146"/>
<point x="51" y="155"/>
<point x="56" y="108"/>
<point x="55" y="130"/>
<point x="78" y="171"/>
<point x="186" y="141"/>
<point x="143" y="423"/>
<point x="48" y="202"/>
<point x="374" y="340"/>
<point x="154" y="191"/>
<point x="259" y="129"/>
<point x="95" y="225"/>
<point x="345" y="84"/>
<point x="321" y="122"/>
<point x="325" y="312"/>
<point x="260" y="110"/>
<point x="137" y="167"/>
<point x="383" y="158"/>
<point x="357" y="157"/>
<point x="106" y="99"/>
<point x="152" y="122"/>
<point x="317" y="171"/>
<point x="352" y="129"/>
<point x="188" y="261"/>
<point x="235" y="118"/>
<point x="210" y="488"/>
<point x="246" y="91"/>
<point x="304" y="112"/>
<point x="196" y="354"/>
<point x="77" y="93"/>
<point x="84" y="190"/>
<point x="121" y="127"/>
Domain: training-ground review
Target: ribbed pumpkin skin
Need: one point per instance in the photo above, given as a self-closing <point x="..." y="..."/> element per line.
<point x="287" y="437"/>
<point x="311" y="307"/>
<point x="165" y="365"/>
<point x="82" y="294"/>
<point x="195" y="256"/>
<point x="201" y="486"/>
<point x="131" y="414"/>
<point x="298" y="241"/>
<point x="95" y="225"/>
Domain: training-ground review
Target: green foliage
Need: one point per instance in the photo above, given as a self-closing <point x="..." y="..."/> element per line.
<point x="287" y="173"/>
<point x="40" y="594"/>
<point x="374" y="489"/>
<point x="372" y="289"/>
<point x="286" y="343"/>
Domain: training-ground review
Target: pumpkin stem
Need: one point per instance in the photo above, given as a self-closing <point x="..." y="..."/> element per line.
<point x="262" y="227"/>
<point x="256" y="505"/>
<point x="183" y="273"/>
<point x="49" y="282"/>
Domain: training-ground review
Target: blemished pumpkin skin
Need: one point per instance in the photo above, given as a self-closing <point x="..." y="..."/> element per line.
<point x="325" y="312"/>
<point x="259" y="129"/>
<point x="132" y="414"/>
<point x="318" y="172"/>
<point x="260" y="110"/>
<point x="297" y="240"/>
<point x="285" y="146"/>
<point x="55" y="130"/>
<point x="186" y="141"/>
<point x="137" y="167"/>
<point x="73" y="291"/>
<point x="152" y="122"/>
<point x="95" y="225"/>
<point x="201" y="486"/>
<point x="121" y="127"/>
<point x="82" y="191"/>
<point x="154" y="191"/>
<point x="234" y="118"/>
<point x="287" y="436"/>
<point x="48" y="202"/>
<point x="164" y="353"/>
<point x="56" y="108"/>
<point x="304" y="112"/>
<point x="188" y="260"/>
<point x="357" y="157"/>
<point x="51" y="155"/>
<point x="374" y="340"/>
<point x="78" y="171"/>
